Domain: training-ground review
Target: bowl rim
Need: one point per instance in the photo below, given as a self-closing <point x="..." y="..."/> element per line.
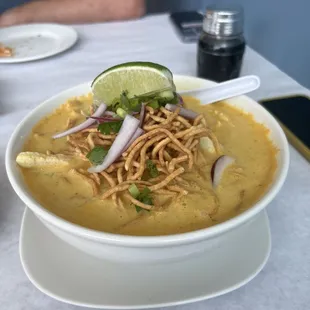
<point x="145" y="241"/>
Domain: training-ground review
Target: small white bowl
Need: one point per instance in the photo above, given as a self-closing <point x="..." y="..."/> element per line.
<point x="135" y="248"/>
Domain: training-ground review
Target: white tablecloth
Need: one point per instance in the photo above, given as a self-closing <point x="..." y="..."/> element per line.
<point x="284" y="284"/>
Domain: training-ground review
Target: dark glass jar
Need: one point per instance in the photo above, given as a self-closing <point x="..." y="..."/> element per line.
<point x="221" y="45"/>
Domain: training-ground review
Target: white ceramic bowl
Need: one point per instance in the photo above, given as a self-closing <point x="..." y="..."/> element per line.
<point x="133" y="248"/>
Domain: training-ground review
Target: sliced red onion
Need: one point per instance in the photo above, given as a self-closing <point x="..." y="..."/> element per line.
<point x="113" y="115"/>
<point x="125" y="134"/>
<point x="102" y="107"/>
<point x="142" y="113"/>
<point x="93" y="126"/>
<point x="104" y="119"/>
<point x="189" y="114"/>
<point x="110" y="113"/>
<point x="181" y="102"/>
<point x="136" y="135"/>
<point x="219" y="167"/>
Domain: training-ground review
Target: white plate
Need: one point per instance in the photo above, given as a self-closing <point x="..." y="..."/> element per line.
<point x="66" y="274"/>
<point x="36" y="41"/>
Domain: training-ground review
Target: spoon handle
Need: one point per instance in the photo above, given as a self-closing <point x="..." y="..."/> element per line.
<point x="225" y="90"/>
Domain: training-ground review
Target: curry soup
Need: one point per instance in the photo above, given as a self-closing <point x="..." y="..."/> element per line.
<point x="70" y="196"/>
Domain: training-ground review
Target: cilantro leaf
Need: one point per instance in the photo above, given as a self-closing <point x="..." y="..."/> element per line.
<point x="145" y="197"/>
<point x="97" y="155"/>
<point x="135" y="104"/>
<point x="109" y="127"/>
<point x="124" y="101"/>
<point x="152" y="168"/>
<point x="145" y="192"/>
<point x="153" y="104"/>
<point x="138" y="209"/>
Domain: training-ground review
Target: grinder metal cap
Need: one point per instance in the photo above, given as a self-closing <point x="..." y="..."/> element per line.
<point x="225" y="21"/>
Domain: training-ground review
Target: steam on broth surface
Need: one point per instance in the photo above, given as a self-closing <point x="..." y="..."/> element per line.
<point x="66" y="192"/>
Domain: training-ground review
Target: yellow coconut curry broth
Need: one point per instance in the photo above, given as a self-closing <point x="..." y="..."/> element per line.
<point x="68" y="195"/>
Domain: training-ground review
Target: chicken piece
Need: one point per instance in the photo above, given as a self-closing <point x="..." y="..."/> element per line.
<point x="35" y="159"/>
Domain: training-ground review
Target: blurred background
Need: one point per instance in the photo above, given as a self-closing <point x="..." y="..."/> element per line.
<point x="277" y="29"/>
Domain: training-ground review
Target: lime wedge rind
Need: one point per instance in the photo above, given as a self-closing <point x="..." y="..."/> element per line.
<point x="138" y="64"/>
<point x="135" y="77"/>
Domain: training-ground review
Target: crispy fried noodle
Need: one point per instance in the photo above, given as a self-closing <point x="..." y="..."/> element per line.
<point x="156" y="159"/>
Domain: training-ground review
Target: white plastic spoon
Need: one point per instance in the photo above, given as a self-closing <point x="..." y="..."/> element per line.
<point x="225" y="90"/>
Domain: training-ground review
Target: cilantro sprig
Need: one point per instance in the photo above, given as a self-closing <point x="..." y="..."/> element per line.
<point x="152" y="169"/>
<point x="155" y="99"/>
<point x="110" y="127"/>
<point x="97" y="155"/>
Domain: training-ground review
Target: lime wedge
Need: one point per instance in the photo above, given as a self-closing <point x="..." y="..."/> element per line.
<point x="135" y="77"/>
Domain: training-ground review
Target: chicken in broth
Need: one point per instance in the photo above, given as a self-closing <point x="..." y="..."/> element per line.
<point x="192" y="173"/>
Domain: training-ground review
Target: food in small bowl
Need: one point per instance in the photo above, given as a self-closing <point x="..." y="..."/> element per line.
<point x="134" y="171"/>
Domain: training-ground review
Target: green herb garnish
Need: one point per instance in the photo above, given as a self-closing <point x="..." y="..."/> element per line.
<point x="135" y="104"/>
<point x="155" y="100"/>
<point x="161" y="97"/>
<point x="138" y="209"/>
<point x="134" y="190"/>
<point x="152" y="168"/>
<point x="153" y="104"/>
<point x="143" y="196"/>
<point x="121" y="112"/>
<point x="97" y="155"/>
<point x="109" y="127"/>
<point x="124" y="101"/>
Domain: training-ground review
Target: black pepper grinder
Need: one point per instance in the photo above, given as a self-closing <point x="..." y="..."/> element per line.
<point x="221" y="45"/>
